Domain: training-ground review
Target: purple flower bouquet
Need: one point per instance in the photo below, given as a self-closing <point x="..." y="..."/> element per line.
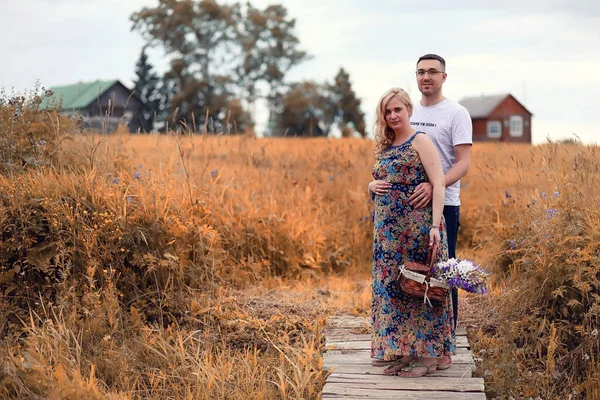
<point x="462" y="274"/>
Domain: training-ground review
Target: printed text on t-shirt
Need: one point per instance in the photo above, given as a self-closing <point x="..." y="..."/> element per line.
<point x="423" y="124"/>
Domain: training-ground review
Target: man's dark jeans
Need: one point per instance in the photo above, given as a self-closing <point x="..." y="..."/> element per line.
<point x="452" y="217"/>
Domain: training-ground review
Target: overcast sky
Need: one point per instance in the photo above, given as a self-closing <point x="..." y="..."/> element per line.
<point x="545" y="53"/>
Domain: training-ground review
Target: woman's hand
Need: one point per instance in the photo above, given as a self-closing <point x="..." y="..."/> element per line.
<point x="379" y="187"/>
<point x="434" y="237"/>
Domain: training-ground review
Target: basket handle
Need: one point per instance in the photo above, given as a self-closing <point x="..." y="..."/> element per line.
<point x="431" y="255"/>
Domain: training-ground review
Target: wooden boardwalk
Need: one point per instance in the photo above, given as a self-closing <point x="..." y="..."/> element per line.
<point x="348" y="344"/>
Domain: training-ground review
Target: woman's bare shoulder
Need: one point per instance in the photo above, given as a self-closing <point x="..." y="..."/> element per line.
<point x="421" y="139"/>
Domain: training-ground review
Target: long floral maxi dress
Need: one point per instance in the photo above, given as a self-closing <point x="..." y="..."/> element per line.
<point x="402" y="324"/>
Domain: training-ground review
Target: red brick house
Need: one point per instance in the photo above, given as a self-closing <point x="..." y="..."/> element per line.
<point x="499" y="118"/>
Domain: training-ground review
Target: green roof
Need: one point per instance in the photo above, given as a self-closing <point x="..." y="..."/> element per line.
<point x="77" y="96"/>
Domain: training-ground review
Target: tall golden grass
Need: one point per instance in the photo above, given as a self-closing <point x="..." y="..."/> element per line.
<point x="184" y="266"/>
<point x="532" y="214"/>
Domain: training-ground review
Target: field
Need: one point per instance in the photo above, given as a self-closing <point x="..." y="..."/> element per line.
<point x="186" y="266"/>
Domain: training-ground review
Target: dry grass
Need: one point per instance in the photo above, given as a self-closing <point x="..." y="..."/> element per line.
<point x="205" y="267"/>
<point x="532" y="215"/>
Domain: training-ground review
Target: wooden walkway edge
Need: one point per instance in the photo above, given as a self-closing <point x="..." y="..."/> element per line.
<point x="347" y="357"/>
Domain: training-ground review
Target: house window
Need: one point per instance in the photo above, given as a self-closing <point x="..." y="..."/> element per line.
<point x="494" y="129"/>
<point x="516" y="126"/>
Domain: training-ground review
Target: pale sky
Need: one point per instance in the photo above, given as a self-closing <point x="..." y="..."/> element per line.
<point x="546" y="53"/>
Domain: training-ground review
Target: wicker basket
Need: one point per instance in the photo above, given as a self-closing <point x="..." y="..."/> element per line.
<point x="415" y="279"/>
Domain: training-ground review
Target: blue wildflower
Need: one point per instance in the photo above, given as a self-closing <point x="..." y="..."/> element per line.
<point x="556" y="194"/>
<point x="331" y="177"/>
<point x="506" y="194"/>
<point x="128" y="199"/>
<point x="550" y="213"/>
<point x="136" y="174"/>
<point x="543" y="194"/>
<point x="116" y="181"/>
<point x="214" y="172"/>
<point x="42" y="142"/>
<point x="512" y="244"/>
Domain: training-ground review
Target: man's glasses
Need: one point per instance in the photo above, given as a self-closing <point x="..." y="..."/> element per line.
<point x="431" y="72"/>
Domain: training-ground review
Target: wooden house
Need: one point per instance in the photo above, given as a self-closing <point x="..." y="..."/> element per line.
<point x="499" y="118"/>
<point x="102" y="104"/>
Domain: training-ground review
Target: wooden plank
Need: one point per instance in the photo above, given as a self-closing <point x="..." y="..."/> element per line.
<point x="330" y="360"/>
<point x="367" y="352"/>
<point x="349" y="322"/>
<point x="424" y="383"/>
<point x="456" y="370"/>
<point x="348" y="342"/>
<point x="461" y="342"/>
<point x="334" y="332"/>
<point x="340" y="330"/>
<point x="336" y="393"/>
<point x="345" y="335"/>
<point x="338" y="336"/>
<point x="353" y="322"/>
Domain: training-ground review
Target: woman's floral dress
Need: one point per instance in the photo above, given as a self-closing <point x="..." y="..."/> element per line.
<point x="402" y="324"/>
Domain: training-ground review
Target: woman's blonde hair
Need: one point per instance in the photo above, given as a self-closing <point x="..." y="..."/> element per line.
<point x="384" y="135"/>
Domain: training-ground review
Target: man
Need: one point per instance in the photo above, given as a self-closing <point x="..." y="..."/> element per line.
<point x="449" y="126"/>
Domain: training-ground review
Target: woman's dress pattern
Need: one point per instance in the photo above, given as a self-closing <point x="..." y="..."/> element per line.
<point x="404" y="324"/>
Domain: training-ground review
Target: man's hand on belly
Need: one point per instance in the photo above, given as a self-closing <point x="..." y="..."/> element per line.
<point x="422" y="195"/>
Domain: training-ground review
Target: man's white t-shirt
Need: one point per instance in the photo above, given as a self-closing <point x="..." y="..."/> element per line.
<point x="448" y="124"/>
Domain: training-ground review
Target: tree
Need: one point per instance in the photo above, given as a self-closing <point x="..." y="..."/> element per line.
<point x="282" y="53"/>
<point x="305" y="110"/>
<point x="250" y="29"/>
<point x="269" y="49"/>
<point x="146" y="87"/>
<point x="194" y="35"/>
<point x="219" y="53"/>
<point x="346" y="102"/>
<point x="309" y="108"/>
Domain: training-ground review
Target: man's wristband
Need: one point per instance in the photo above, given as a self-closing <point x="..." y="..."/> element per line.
<point x="435" y="227"/>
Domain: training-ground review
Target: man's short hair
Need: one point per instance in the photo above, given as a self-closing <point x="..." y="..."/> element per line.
<point x="433" y="57"/>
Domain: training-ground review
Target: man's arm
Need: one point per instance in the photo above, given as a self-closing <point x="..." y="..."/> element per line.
<point x="462" y="134"/>
<point x="424" y="192"/>
<point x="462" y="156"/>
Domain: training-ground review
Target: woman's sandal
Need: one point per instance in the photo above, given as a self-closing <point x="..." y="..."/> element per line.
<point x="396" y="366"/>
<point x="444" y="366"/>
<point x="376" y="362"/>
<point x="416" y="364"/>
